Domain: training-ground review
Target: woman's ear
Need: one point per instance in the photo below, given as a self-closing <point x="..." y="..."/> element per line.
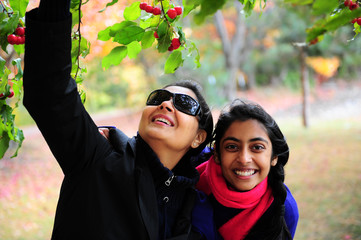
<point x="274" y="161"/>
<point x="199" y="138"/>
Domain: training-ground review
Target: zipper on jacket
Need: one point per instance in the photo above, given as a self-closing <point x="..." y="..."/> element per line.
<point x="169" y="180"/>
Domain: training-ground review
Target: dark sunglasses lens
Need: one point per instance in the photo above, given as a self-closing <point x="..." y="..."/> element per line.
<point x="158" y="96"/>
<point x="186" y="104"/>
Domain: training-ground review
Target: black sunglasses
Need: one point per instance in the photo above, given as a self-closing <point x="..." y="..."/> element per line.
<point x="181" y="102"/>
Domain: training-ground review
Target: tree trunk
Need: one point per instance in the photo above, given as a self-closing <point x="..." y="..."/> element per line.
<point x="231" y="48"/>
<point x="305" y="89"/>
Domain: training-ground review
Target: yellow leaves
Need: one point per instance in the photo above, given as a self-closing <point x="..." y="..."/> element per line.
<point x="327" y="67"/>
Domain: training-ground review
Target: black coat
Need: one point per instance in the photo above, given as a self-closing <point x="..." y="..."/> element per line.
<point x="108" y="190"/>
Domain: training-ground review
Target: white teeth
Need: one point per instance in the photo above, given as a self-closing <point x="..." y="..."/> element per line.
<point x="245" y="173"/>
<point x="163" y="120"/>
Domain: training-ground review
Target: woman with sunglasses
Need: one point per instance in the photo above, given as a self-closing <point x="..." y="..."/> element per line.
<point x="244" y="179"/>
<point x="124" y="188"/>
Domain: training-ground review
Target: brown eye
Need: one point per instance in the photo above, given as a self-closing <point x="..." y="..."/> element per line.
<point x="258" y="147"/>
<point x="231" y="147"/>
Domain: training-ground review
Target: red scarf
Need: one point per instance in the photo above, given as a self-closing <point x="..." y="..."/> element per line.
<point x="254" y="202"/>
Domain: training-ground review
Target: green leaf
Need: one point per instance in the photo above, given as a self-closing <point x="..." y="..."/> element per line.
<point x="148" y="39"/>
<point x="133" y="49"/>
<point x="111" y="31"/>
<point x="190" y="5"/>
<point x="332" y="23"/>
<point x="164" y="33"/>
<point x="108" y="5"/>
<point x="19" y="5"/>
<point x="17" y="63"/>
<point x="119" y="27"/>
<point x="2" y="66"/>
<point x="132" y="12"/>
<point x="299" y="2"/>
<point x="114" y="57"/>
<point x="323" y="7"/>
<point x="19" y="49"/>
<point x="182" y="37"/>
<point x="8" y="25"/>
<point x="129" y="34"/>
<point x="248" y="7"/>
<point x="173" y="62"/>
<point x="19" y="138"/>
<point x="342" y="18"/>
<point x="208" y="8"/>
<point x="104" y="35"/>
<point x="4" y="143"/>
<point x="193" y="50"/>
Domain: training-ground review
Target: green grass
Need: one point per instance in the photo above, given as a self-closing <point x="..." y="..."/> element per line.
<point x="323" y="173"/>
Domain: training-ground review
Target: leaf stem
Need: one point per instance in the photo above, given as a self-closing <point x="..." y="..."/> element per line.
<point x="78" y="31"/>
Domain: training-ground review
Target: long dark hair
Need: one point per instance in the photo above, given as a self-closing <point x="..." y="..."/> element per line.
<point x="205" y="118"/>
<point x="242" y="110"/>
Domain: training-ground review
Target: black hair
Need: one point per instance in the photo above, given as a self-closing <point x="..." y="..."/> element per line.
<point x="242" y="110"/>
<point x="205" y="118"/>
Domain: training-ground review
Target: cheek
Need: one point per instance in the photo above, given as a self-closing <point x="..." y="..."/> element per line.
<point x="144" y="118"/>
<point x="188" y="122"/>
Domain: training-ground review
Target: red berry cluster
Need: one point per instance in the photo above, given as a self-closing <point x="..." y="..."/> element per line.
<point x="351" y="5"/>
<point x="3" y="96"/>
<point x="174" y="45"/>
<point x="18" y="37"/>
<point x="172" y="12"/>
<point x="150" y="9"/>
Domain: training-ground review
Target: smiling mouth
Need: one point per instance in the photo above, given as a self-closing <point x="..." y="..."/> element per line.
<point x="163" y="120"/>
<point x="245" y="173"/>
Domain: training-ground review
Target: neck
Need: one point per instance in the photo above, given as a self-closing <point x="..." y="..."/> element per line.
<point x="167" y="156"/>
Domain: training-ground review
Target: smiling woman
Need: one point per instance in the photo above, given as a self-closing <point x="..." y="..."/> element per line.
<point x="111" y="186"/>
<point x="244" y="179"/>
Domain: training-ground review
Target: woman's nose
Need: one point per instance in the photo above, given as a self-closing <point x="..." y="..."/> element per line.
<point x="167" y="105"/>
<point x="244" y="157"/>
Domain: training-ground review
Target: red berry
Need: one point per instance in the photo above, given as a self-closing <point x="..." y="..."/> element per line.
<point x="18" y="40"/>
<point x="358" y="20"/>
<point x="179" y="10"/>
<point x="20" y="31"/>
<point x="170" y="48"/>
<point x="156" y="35"/>
<point x="156" y="11"/>
<point x="11" y="94"/>
<point x="175" y="43"/>
<point x="21" y="39"/>
<point x="346" y="3"/>
<point x="2" y="96"/>
<point x="143" y="5"/>
<point x="149" y="9"/>
<point x="12" y="39"/>
<point x="314" y="41"/>
<point x="172" y="13"/>
<point x="352" y="6"/>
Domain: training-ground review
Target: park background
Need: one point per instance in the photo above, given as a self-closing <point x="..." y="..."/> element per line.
<point x="324" y="170"/>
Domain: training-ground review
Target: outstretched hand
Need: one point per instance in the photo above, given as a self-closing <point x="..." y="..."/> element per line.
<point x="104" y="132"/>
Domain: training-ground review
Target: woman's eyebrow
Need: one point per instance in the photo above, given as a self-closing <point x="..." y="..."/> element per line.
<point x="258" y="139"/>
<point x="251" y="140"/>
